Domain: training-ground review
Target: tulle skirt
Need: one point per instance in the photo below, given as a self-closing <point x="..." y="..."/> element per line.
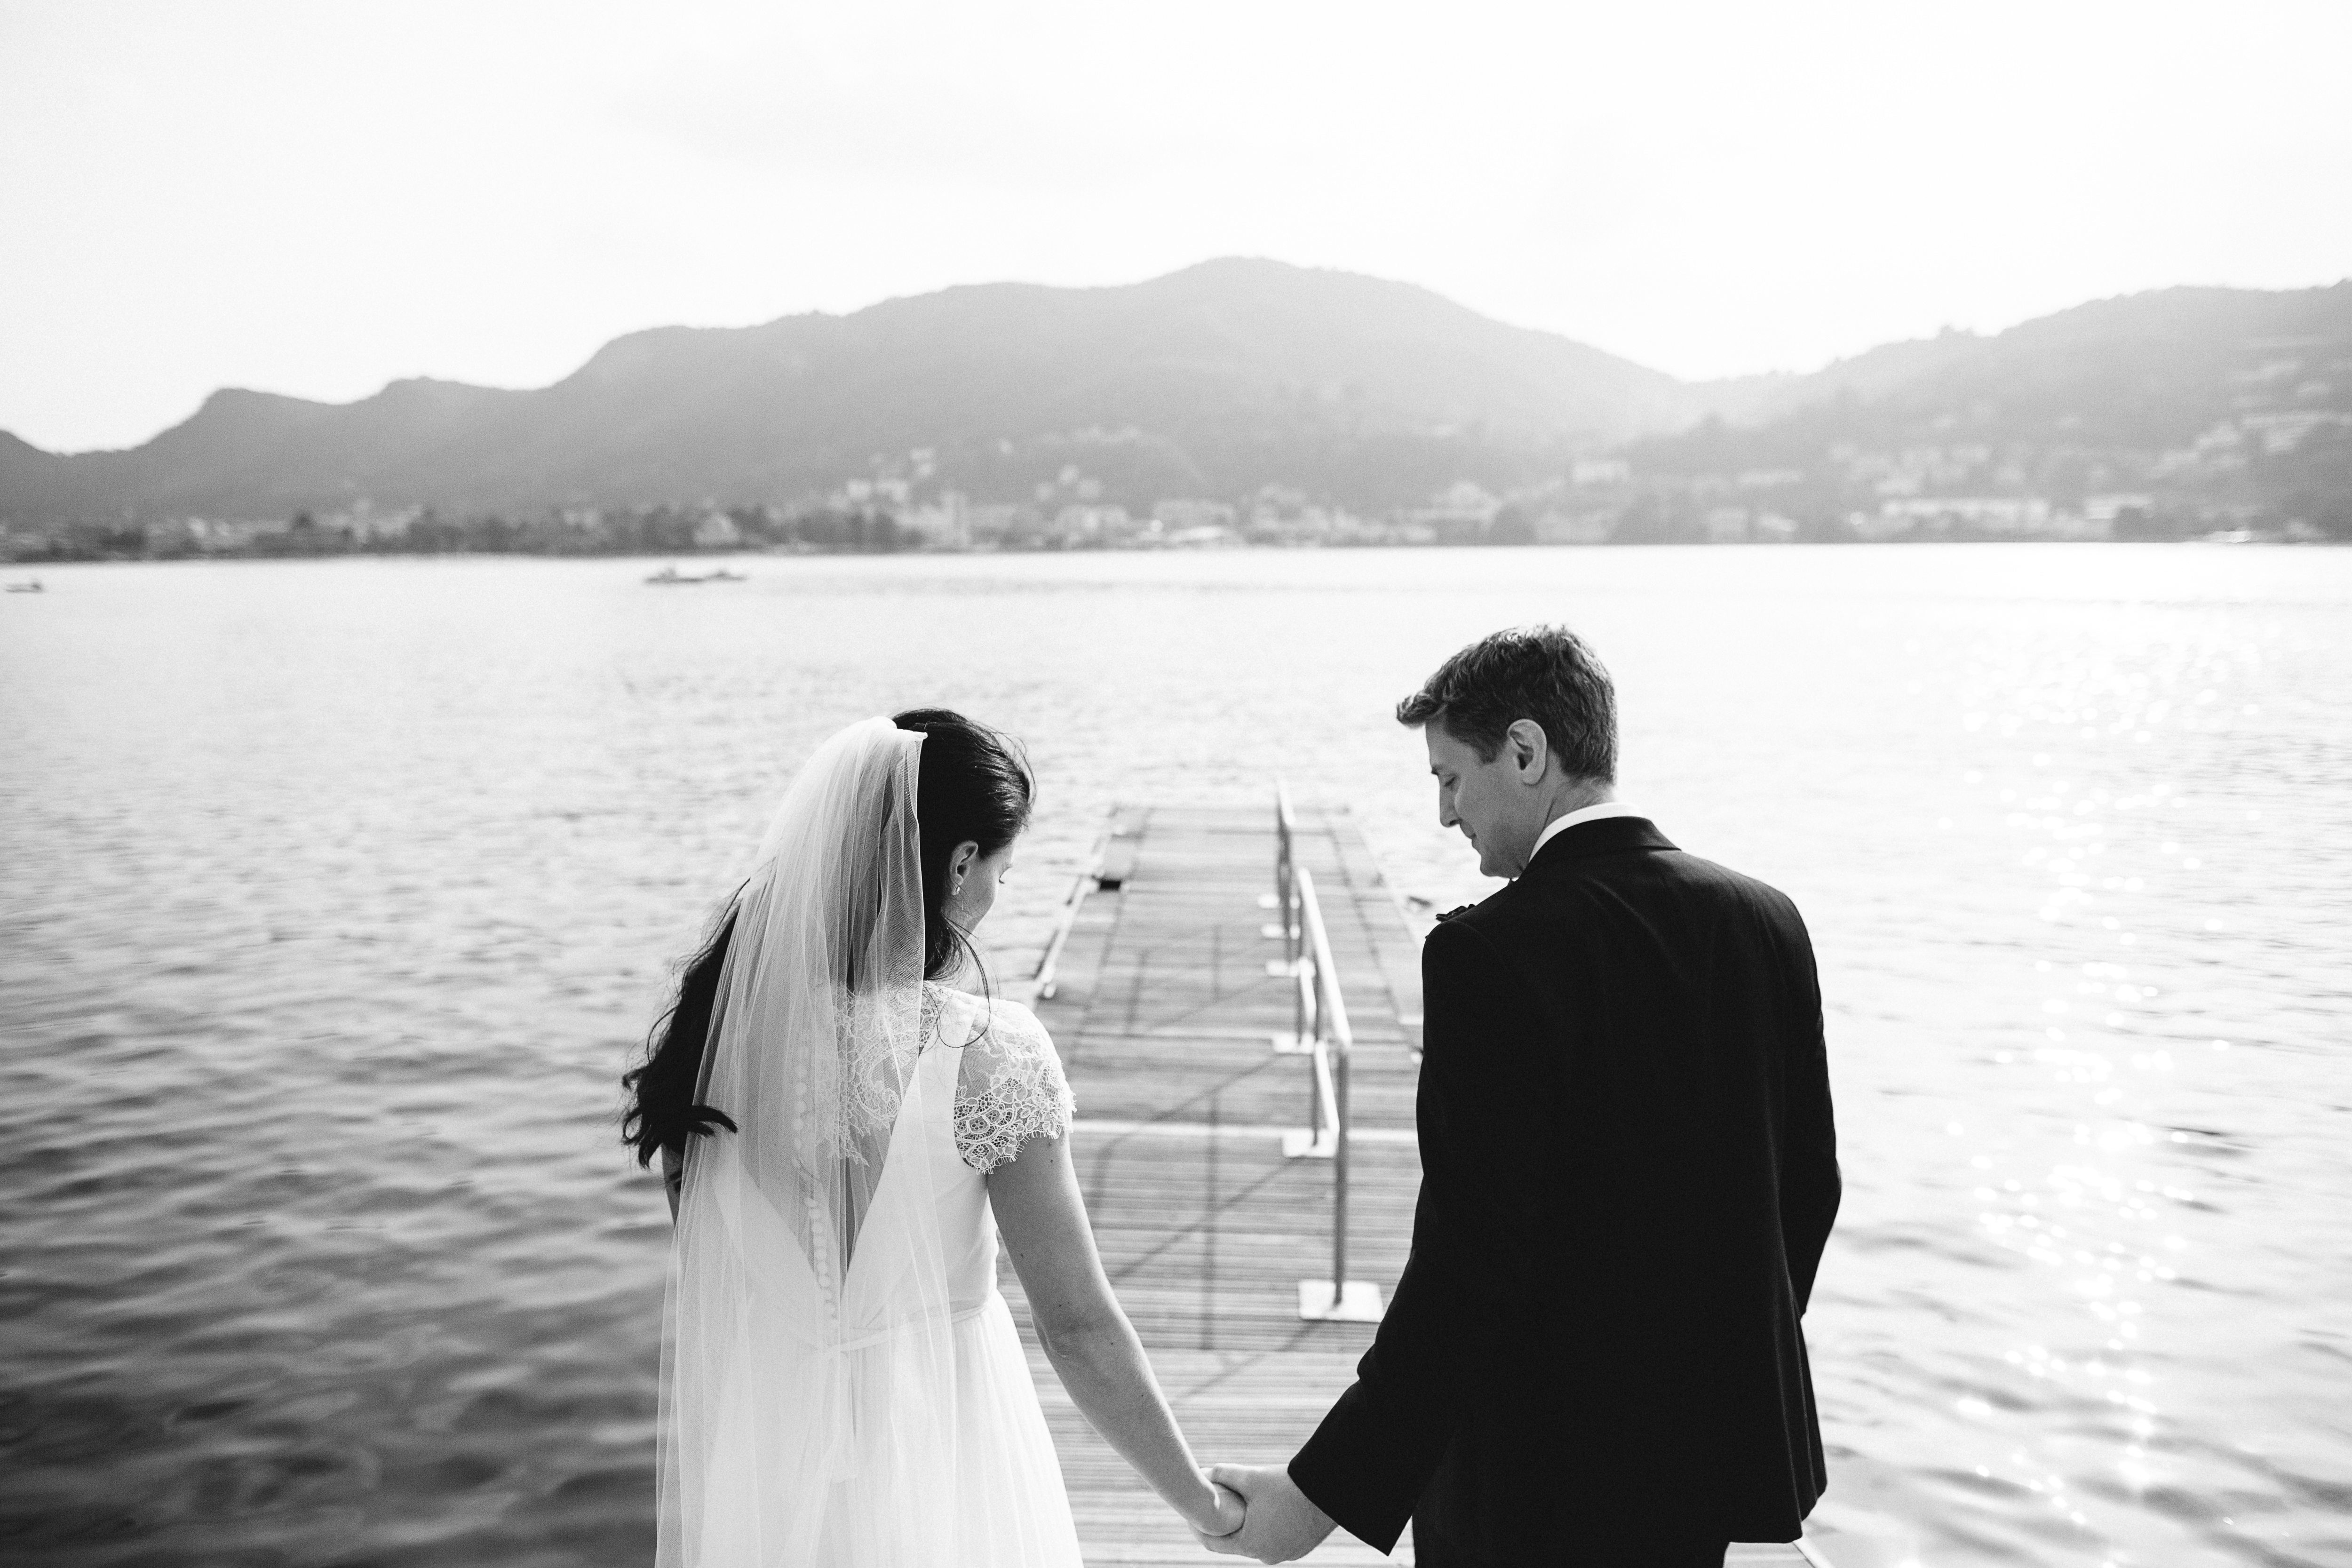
<point x="961" y="1475"/>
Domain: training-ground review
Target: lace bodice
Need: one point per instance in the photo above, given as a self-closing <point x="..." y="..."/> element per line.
<point x="1008" y="1086"/>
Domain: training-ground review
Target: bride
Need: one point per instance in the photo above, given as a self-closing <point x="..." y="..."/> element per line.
<point x="844" y="1135"/>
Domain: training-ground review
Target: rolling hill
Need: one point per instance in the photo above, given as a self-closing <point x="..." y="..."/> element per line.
<point x="1234" y="375"/>
<point x="1210" y="381"/>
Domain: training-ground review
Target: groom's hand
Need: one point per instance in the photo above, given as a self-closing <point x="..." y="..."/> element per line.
<point x="1281" y="1524"/>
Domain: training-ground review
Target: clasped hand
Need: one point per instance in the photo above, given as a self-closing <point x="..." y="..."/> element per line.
<point x="1278" y="1522"/>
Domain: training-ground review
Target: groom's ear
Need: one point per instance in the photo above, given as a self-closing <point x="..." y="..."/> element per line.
<point x="1529" y="750"/>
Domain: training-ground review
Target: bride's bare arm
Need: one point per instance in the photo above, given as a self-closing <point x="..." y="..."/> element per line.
<point x="1093" y="1347"/>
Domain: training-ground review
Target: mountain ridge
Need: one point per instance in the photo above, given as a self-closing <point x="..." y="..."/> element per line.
<point x="1217" y="379"/>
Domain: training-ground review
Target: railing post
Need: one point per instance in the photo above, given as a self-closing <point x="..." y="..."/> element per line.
<point x="1339" y="1185"/>
<point x="1321" y="1017"/>
<point x="1337" y="1298"/>
<point x="1293" y="925"/>
<point x="1302" y="997"/>
<point x="1317" y="1073"/>
<point x="1290" y="928"/>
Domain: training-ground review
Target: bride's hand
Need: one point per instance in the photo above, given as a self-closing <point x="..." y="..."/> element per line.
<point x="1229" y="1511"/>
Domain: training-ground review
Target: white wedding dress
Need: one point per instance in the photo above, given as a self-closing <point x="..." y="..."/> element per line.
<point x="843" y="1384"/>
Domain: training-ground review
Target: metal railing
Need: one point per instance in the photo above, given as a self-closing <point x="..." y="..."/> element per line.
<point x="1320" y="1032"/>
<point x="1042" y="979"/>
<point x="1286" y="927"/>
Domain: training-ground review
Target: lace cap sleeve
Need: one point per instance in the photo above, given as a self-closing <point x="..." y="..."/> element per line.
<point x="1011" y="1088"/>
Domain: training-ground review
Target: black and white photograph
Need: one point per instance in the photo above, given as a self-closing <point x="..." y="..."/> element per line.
<point x="1067" y="785"/>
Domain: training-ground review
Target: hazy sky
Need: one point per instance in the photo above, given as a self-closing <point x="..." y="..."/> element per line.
<point x="315" y="199"/>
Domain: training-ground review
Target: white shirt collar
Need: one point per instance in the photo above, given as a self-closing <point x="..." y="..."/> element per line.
<point x="1594" y="813"/>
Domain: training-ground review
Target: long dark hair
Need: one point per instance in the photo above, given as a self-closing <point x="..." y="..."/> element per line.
<point x="972" y="786"/>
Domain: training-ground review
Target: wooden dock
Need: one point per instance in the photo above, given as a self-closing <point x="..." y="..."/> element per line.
<point x="1165" y="1012"/>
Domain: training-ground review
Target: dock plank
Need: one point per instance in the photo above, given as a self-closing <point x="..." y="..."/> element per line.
<point x="1165" y="1013"/>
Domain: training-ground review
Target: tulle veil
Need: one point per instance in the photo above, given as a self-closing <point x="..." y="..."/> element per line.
<point x="808" y="1320"/>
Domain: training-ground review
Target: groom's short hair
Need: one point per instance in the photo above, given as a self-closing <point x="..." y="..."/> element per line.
<point x="1548" y="674"/>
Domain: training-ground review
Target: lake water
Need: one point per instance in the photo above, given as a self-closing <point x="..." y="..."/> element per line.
<point x="335" y="896"/>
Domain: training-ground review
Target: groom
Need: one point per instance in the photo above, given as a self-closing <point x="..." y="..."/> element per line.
<point x="1594" y="1355"/>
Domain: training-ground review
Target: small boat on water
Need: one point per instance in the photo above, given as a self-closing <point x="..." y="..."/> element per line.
<point x="33" y="586"/>
<point x="671" y="578"/>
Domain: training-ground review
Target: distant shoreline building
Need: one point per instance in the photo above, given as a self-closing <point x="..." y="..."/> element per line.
<point x="2021" y="516"/>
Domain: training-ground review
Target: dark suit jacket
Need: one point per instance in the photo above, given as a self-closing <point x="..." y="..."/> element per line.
<point x="1629" y="1171"/>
